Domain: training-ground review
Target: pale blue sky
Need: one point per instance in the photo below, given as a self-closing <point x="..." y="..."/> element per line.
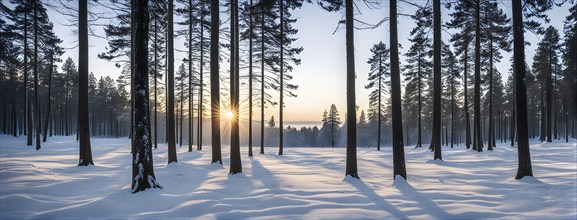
<point x="321" y="76"/>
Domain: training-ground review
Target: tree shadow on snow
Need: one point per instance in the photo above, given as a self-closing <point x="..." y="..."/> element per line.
<point x="374" y="197"/>
<point x="431" y="208"/>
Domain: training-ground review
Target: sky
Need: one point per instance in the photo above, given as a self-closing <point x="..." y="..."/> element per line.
<point x="321" y="77"/>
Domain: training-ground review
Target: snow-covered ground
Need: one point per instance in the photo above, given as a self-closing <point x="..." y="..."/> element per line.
<point x="304" y="183"/>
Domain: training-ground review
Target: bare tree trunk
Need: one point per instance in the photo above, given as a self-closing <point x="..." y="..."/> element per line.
<point x="83" y="126"/>
<point x="281" y="106"/>
<point x="478" y="139"/>
<point x="190" y="87"/>
<point x="436" y="136"/>
<point x="170" y="85"/>
<point x="491" y="134"/>
<point x="524" y="167"/>
<point x="28" y="116"/>
<point x="48" y="100"/>
<point x="36" y="101"/>
<point x="379" y="111"/>
<point x="155" y="82"/>
<point x="142" y="166"/>
<point x="214" y="82"/>
<point x="262" y="84"/>
<point x="398" y="146"/>
<point x="201" y="90"/>
<point x="466" y="107"/>
<point x="351" y="168"/>
<point x="250" y="29"/>
<point x="235" y="161"/>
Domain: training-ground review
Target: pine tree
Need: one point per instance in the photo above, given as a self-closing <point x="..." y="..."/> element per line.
<point x="452" y="73"/>
<point x="436" y="136"/>
<point x="463" y="19"/>
<point x="214" y="81"/>
<point x="83" y="126"/>
<point x="546" y="58"/>
<point x="235" y="161"/>
<point x="398" y="146"/>
<point x="181" y="96"/>
<point x="536" y="8"/>
<point x="379" y="71"/>
<point x="419" y="65"/>
<point x="142" y="166"/>
<point x="170" y="86"/>
<point x="569" y="73"/>
<point x="496" y="27"/>
<point x="333" y="122"/>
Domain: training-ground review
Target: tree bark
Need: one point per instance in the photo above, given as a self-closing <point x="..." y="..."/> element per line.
<point x="466" y="107"/>
<point x="398" y="147"/>
<point x="436" y="136"/>
<point x="262" y="83"/>
<point x="201" y="90"/>
<point x="281" y="106"/>
<point x="379" y="112"/>
<point x="48" y="100"/>
<point x="155" y="82"/>
<point x="36" y="101"/>
<point x="491" y="134"/>
<point x="214" y="82"/>
<point x="190" y="87"/>
<point x="477" y="139"/>
<point x="235" y="161"/>
<point x="250" y="29"/>
<point x="28" y="116"/>
<point x="351" y="168"/>
<point x="524" y="166"/>
<point x="142" y="165"/>
<point x="83" y="126"/>
<point x="170" y="106"/>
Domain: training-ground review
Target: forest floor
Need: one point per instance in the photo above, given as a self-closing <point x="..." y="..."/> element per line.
<point x="304" y="183"/>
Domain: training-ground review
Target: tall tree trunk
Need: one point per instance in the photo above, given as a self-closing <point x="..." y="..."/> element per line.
<point x="466" y="91"/>
<point x="48" y="100"/>
<point x="142" y="166"/>
<point x="181" y="110"/>
<point x="262" y="82"/>
<point x="28" y="116"/>
<point x="379" y="111"/>
<point x="190" y="87"/>
<point x="491" y="134"/>
<point x="132" y="61"/>
<point x="281" y="106"/>
<point x="513" y="111"/>
<point x="524" y="167"/>
<point x="549" y="98"/>
<point x="170" y="106"/>
<point x="214" y="82"/>
<point x="543" y="130"/>
<point x="155" y="81"/>
<point x="477" y="139"/>
<point x="420" y="105"/>
<point x="201" y="90"/>
<point x="36" y="101"/>
<point x="250" y="29"/>
<point x="452" y="108"/>
<point x="351" y="168"/>
<point x="398" y="147"/>
<point x="235" y="161"/>
<point x="83" y="126"/>
<point x="436" y="136"/>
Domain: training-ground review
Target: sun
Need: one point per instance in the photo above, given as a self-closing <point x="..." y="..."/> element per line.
<point x="229" y="115"/>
